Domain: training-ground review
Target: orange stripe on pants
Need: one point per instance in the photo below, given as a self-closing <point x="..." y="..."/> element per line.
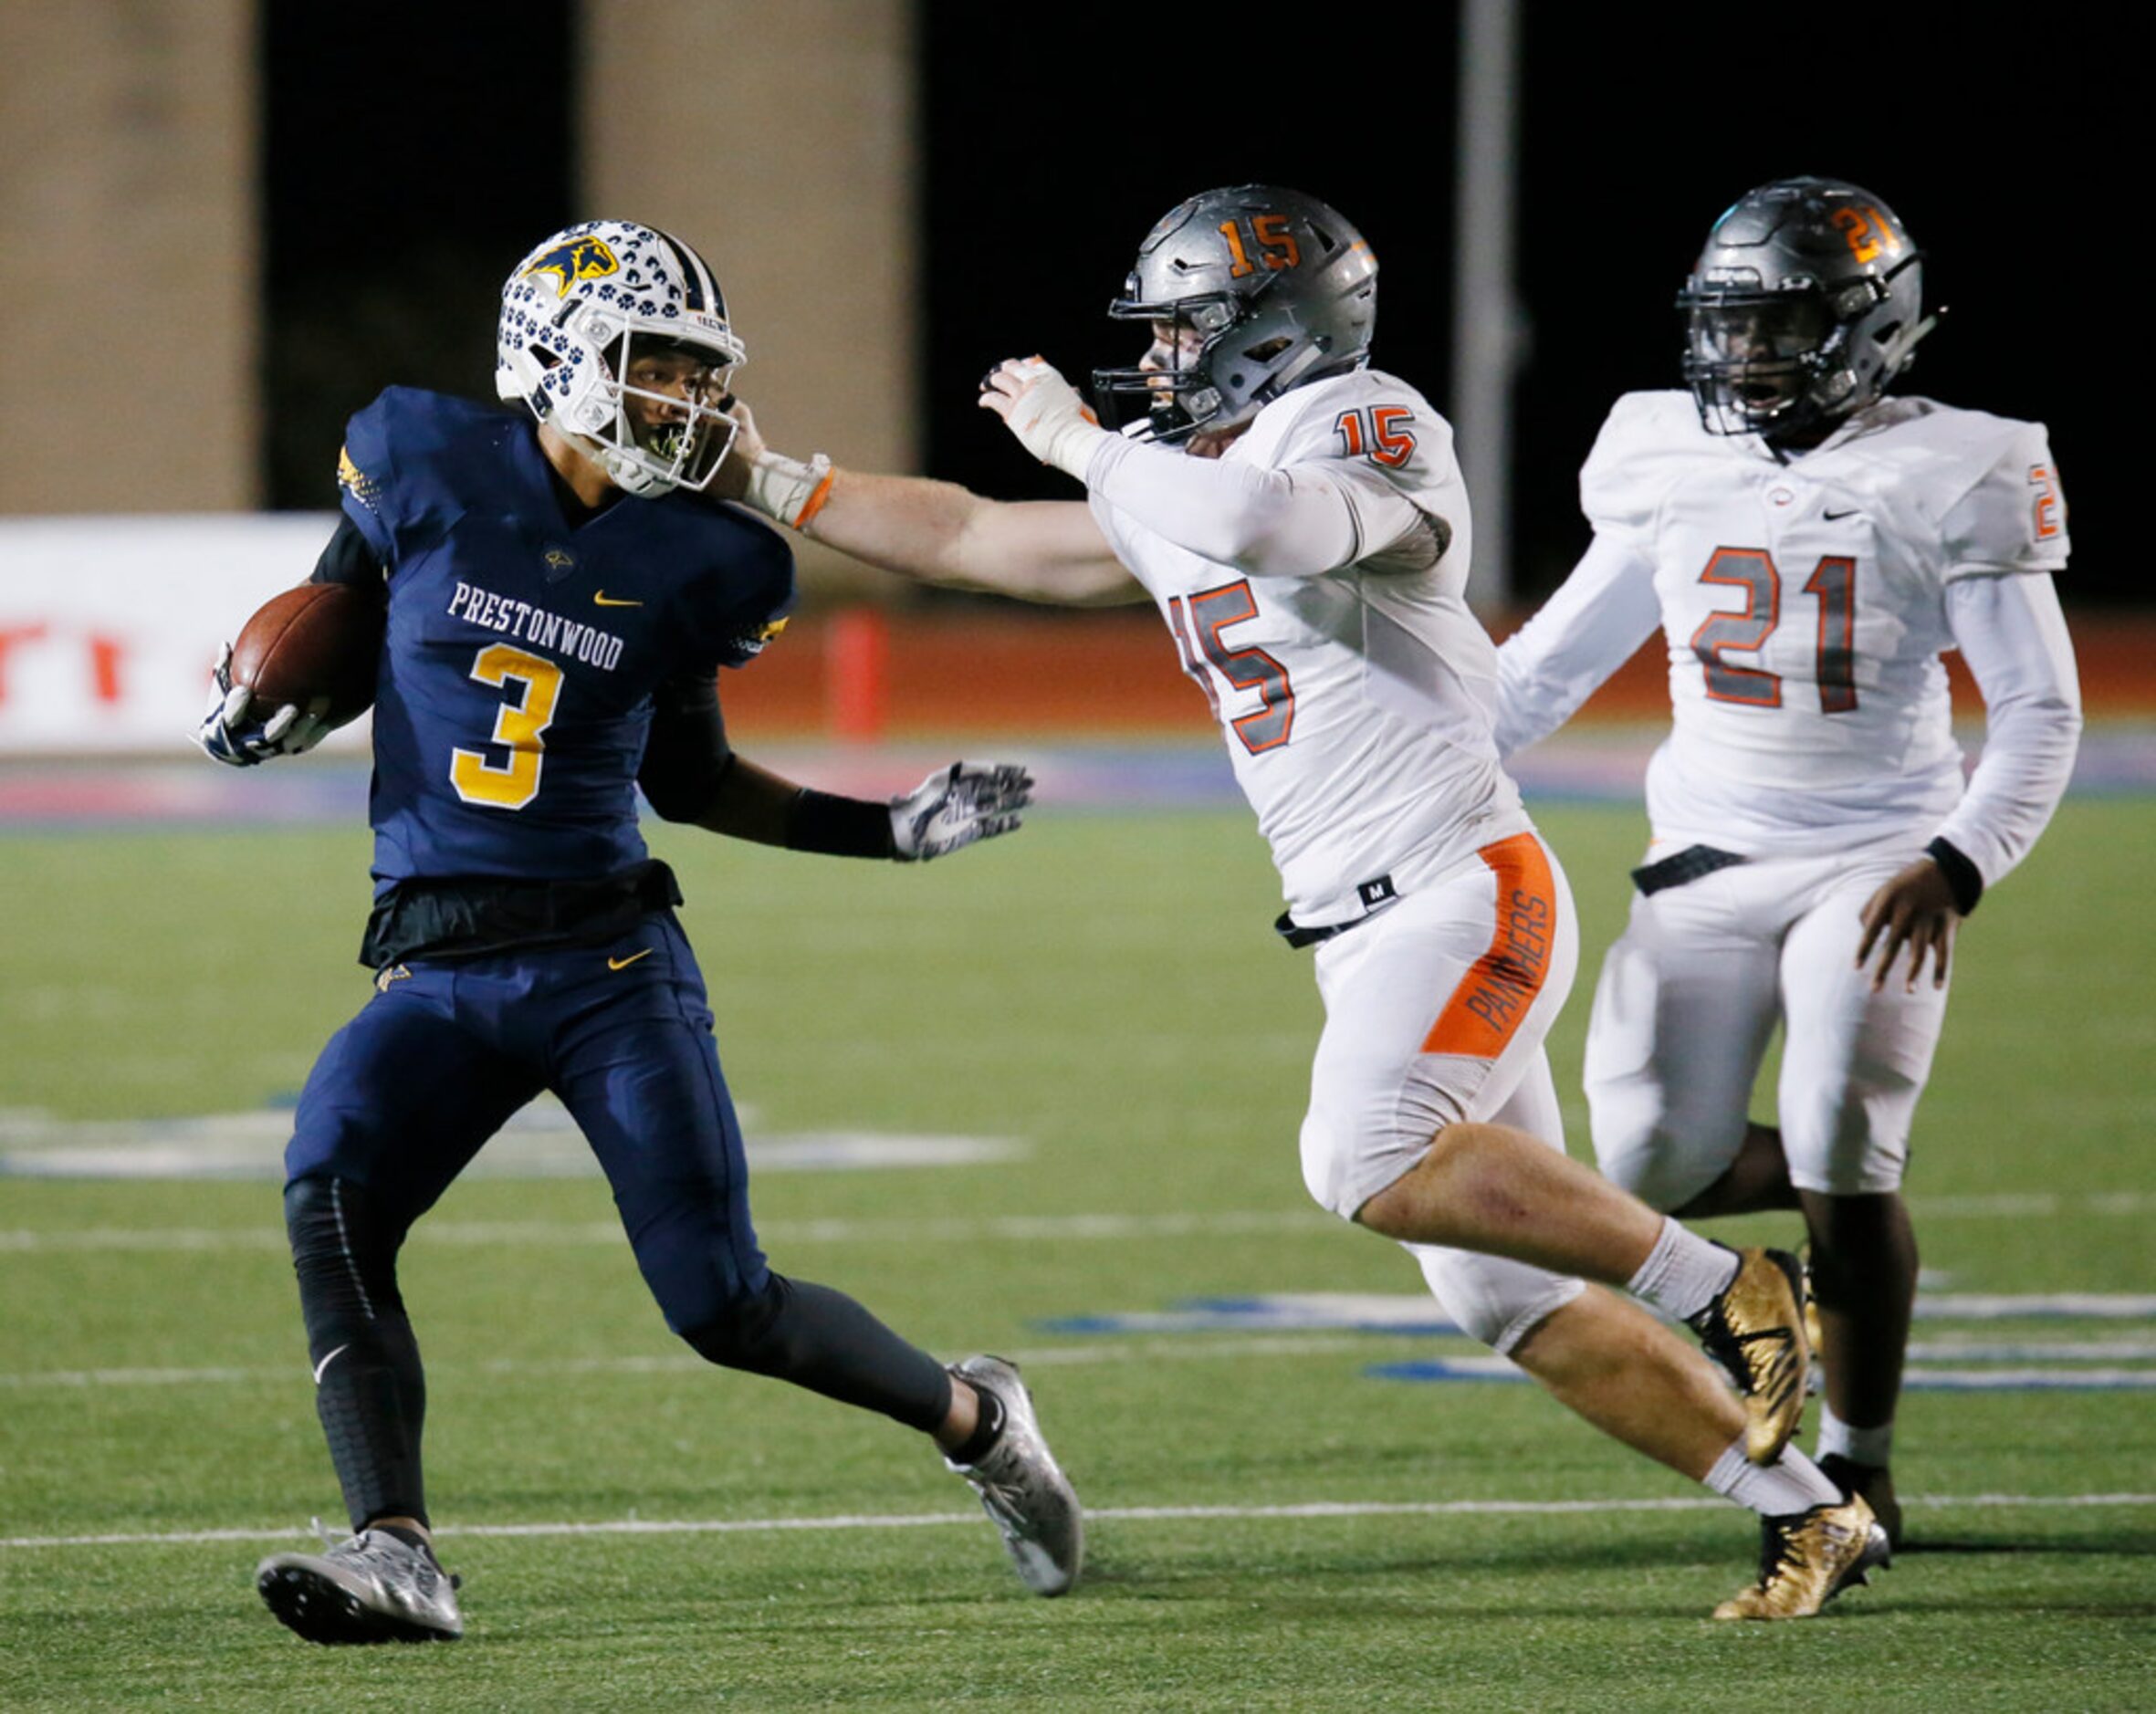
<point x="1503" y="984"/>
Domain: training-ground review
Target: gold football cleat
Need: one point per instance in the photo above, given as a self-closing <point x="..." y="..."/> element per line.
<point x="1808" y="1558"/>
<point x="1756" y="1330"/>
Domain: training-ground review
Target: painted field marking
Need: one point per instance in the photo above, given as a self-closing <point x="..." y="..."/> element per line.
<point x="685" y="1363"/>
<point x="1334" y="1342"/>
<point x="1916" y="1378"/>
<point x="1022" y="1229"/>
<point x="540" y="1142"/>
<point x="556" y="1234"/>
<point x="1415" y="1313"/>
<point x="2045" y="1366"/>
<point x="1100" y="1514"/>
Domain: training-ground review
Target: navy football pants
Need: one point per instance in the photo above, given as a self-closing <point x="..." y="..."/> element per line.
<point x="404" y="1096"/>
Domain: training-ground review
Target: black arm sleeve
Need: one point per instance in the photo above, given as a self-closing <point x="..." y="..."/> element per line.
<point x="349" y="561"/>
<point x="840" y="827"/>
<point x="687" y="756"/>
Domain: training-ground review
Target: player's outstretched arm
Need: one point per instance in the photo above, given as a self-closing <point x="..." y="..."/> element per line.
<point x="935" y="532"/>
<point x="1300" y="520"/>
<point x="955" y="807"/>
<point x="1582" y="635"/>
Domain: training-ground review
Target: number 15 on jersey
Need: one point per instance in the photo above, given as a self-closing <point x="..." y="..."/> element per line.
<point x="1197" y="621"/>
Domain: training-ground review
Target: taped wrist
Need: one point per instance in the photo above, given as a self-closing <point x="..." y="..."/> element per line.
<point x="1070" y="446"/>
<point x="786" y="489"/>
<point x="838" y="827"/>
<point x="1962" y="876"/>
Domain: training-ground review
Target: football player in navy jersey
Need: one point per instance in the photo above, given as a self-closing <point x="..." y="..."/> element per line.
<point x="558" y="595"/>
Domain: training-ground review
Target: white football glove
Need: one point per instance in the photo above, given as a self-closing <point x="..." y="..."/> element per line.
<point x="956" y="805"/>
<point x="230" y="733"/>
<point x="1044" y="410"/>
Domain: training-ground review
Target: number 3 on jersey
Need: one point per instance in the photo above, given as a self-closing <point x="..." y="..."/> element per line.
<point x="518" y="728"/>
<point x="1203" y="617"/>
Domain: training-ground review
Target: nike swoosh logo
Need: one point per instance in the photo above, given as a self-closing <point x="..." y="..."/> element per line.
<point x="327" y="1360"/>
<point x="623" y="964"/>
<point x="1834" y="517"/>
<point x="602" y="599"/>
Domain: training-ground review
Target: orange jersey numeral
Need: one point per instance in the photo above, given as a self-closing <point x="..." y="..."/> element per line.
<point x="2048" y="515"/>
<point x="1379" y="430"/>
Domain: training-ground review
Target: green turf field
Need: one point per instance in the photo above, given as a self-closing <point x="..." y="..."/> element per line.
<point x="1273" y="1527"/>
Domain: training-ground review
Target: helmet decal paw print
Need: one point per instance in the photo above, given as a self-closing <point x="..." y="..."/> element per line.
<point x="617" y="334"/>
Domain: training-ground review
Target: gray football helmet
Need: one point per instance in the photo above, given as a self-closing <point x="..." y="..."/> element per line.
<point x="1806" y="301"/>
<point x="1279" y="290"/>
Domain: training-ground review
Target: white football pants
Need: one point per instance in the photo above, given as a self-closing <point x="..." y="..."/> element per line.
<point x="1435" y="1009"/>
<point x="1689" y="996"/>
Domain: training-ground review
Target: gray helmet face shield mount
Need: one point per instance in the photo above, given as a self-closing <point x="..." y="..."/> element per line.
<point x="1805" y="303"/>
<point x="1261" y="290"/>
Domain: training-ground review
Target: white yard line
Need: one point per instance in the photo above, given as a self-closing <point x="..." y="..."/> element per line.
<point x="1315" y="1343"/>
<point x="1015" y="1229"/>
<point x="1011" y="1228"/>
<point x="669" y="1362"/>
<point x="1097" y="1514"/>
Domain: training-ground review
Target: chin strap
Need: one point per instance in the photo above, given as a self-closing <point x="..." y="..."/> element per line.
<point x="626" y="473"/>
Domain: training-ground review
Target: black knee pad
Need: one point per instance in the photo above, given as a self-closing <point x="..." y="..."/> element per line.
<point x="344" y="1251"/>
<point x="741" y="1337"/>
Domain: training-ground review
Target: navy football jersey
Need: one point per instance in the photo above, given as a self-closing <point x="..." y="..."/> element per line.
<point x="516" y="685"/>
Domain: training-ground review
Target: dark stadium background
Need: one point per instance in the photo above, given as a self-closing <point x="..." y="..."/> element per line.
<point x="1054" y="135"/>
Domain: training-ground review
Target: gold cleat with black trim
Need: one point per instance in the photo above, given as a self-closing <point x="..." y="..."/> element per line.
<point x="1756" y="1330"/>
<point x="1808" y="1558"/>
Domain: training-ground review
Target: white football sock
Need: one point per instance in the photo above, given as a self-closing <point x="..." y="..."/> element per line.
<point x="1683" y="1273"/>
<point x="1791" y="1483"/>
<point x="1860" y="1446"/>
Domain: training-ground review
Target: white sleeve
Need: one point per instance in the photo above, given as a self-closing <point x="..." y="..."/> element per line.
<point x="2012" y="517"/>
<point x="1298" y="522"/>
<point x="2012" y="634"/>
<point x="1582" y="635"/>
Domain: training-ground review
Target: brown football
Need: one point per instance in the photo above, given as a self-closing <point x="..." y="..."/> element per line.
<point x="319" y="639"/>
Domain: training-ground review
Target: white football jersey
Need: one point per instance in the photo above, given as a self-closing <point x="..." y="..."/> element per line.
<point x="1357" y="703"/>
<point x="1805" y="605"/>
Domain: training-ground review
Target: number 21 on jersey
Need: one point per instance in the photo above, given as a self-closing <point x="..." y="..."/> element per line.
<point x="1833" y="584"/>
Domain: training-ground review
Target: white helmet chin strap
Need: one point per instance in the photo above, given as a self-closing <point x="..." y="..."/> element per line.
<point x="628" y="474"/>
